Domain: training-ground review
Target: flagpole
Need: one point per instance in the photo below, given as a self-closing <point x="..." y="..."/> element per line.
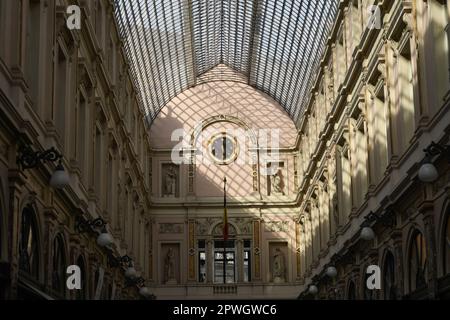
<point x="224" y="229"/>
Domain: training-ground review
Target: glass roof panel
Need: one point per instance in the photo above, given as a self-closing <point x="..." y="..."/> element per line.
<point x="275" y="45"/>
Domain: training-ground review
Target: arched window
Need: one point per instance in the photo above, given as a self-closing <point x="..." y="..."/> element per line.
<point x="28" y="246"/>
<point x="351" y="291"/>
<point x="59" y="265"/>
<point x="389" y="277"/>
<point x="417" y="262"/>
<point x="81" y="294"/>
<point x="446" y="250"/>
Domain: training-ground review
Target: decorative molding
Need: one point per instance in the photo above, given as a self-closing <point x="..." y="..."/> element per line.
<point x="171" y="228"/>
<point x="277" y="226"/>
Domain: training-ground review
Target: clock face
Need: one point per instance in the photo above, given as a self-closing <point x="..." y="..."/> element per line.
<point x="223" y="149"/>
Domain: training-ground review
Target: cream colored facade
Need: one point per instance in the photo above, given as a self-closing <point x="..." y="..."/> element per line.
<point x="71" y="90"/>
<point x="380" y="97"/>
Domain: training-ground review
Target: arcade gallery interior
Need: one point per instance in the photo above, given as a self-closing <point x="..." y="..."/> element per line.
<point x="224" y="149"/>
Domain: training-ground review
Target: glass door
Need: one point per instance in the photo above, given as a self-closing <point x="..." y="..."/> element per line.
<point x="230" y="264"/>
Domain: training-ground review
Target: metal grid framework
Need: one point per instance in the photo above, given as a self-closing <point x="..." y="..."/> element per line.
<point x="276" y="45"/>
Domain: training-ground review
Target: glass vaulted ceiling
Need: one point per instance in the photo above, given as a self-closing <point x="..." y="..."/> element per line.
<point x="274" y="45"/>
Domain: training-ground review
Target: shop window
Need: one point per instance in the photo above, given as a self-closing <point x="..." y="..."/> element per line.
<point x="417" y="262"/>
<point x="351" y="291"/>
<point x="202" y="261"/>
<point x="28" y="246"/>
<point x="389" y="277"/>
<point x="59" y="266"/>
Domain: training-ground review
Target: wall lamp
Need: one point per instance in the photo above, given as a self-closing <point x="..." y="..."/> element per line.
<point x="132" y="280"/>
<point x="140" y="283"/>
<point x="313" y="290"/>
<point x="104" y="239"/>
<point x="28" y="159"/>
<point x="137" y="281"/>
<point x="428" y="172"/>
<point x="331" y="272"/>
<point x="124" y="262"/>
<point x="387" y="219"/>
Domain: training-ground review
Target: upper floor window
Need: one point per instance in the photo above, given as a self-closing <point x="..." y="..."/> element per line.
<point x="32" y="45"/>
<point x="247" y="261"/>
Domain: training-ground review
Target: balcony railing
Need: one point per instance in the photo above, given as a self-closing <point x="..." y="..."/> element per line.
<point x="225" y="289"/>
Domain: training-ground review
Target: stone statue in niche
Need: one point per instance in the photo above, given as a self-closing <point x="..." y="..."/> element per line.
<point x="170" y="182"/>
<point x="169" y="267"/>
<point x="335" y="207"/>
<point x="279" y="266"/>
<point x="276" y="184"/>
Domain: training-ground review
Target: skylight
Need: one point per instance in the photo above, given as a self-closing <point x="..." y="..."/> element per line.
<point x="275" y="45"/>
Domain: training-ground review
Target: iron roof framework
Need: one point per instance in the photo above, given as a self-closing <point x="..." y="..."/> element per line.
<point x="275" y="45"/>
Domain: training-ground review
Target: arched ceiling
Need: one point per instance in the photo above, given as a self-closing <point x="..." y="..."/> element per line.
<point x="276" y="45"/>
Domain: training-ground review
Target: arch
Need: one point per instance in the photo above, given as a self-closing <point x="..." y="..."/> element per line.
<point x="203" y="125"/>
<point x="59" y="264"/>
<point x="29" y="248"/>
<point x="389" y="279"/>
<point x="417" y="260"/>
<point x="217" y="228"/>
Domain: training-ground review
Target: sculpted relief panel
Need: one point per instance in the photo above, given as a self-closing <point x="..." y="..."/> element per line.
<point x="174" y="228"/>
<point x="277" y="226"/>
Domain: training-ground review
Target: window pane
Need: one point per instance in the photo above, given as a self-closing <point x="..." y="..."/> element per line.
<point x="202" y="267"/>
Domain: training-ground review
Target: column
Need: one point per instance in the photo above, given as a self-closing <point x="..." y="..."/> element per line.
<point x="257" y="250"/>
<point x="298" y="250"/>
<point x="191" y="251"/>
<point x="398" y="254"/>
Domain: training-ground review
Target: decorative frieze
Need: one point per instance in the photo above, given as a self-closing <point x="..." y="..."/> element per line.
<point x="171" y="228"/>
<point x="277" y="226"/>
